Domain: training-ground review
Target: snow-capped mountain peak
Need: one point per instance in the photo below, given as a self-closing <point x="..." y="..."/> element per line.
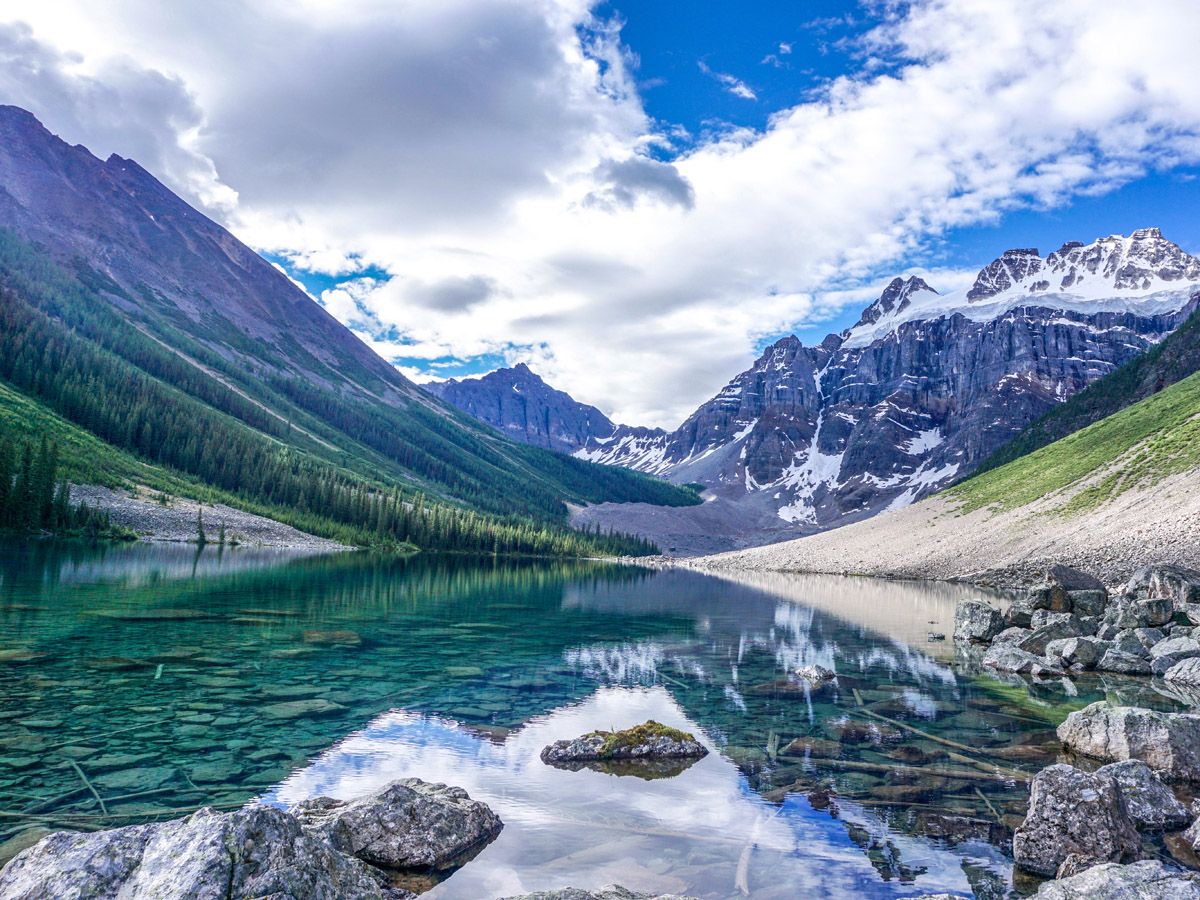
<point x="896" y="298"/>
<point x="1143" y="272"/>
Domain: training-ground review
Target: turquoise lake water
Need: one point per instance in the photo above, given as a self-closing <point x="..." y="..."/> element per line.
<point x="166" y="679"/>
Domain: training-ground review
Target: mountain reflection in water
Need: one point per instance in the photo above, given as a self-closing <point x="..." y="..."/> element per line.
<point x="213" y="679"/>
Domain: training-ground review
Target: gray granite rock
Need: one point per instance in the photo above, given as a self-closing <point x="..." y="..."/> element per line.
<point x="1012" y="635"/>
<point x="1151" y="804"/>
<point x="1178" y="584"/>
<point x="1049" y="627"/>
<point x="1088" y="603"/>
<point x="1010" y="658"/>
<point x="253" y="852"/>
<point x="1169" y="743"/>
<point x="1114" y="660"/>
<point x="1074" y="815"/>
<point x="409" y="824"/>
<point x="976" y="621"/>
<point x="1146" y="880"/>
<point x="1179" y="647"/>
<point x="1186" y="671"/>
<point x="1082" y="651"/>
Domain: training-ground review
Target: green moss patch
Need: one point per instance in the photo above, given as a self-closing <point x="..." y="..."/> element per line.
<point x="616" y="741"/>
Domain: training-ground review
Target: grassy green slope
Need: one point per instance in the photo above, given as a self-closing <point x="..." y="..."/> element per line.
<point x="1136" y="446"/>
<point x="1175" y="358"/>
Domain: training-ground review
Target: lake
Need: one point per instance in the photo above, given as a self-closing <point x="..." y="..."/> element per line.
<point x="167" y="678"/>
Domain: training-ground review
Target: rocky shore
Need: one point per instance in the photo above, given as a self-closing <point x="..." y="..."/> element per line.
<point x="1071" y="624"/>
<point x="1129" y="768"/>
<point x="173" y="519"/>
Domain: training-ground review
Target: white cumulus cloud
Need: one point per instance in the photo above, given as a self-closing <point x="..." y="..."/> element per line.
<point x="495" y="158"/>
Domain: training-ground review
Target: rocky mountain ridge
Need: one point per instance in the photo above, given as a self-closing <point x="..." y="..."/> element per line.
<point x="520" y="404"/>
<point x="914" y="396"/>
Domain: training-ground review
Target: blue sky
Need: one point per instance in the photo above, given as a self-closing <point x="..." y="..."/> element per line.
<point x="630" y="196"/>
<point x="710" y="67"/>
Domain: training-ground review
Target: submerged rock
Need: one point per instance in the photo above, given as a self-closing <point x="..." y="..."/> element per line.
<point x="409" y="824"/>
<point x="815" y="675"/>
<point x="608" y="892"/>
<point x="1077" y="818"/>
<point x="1169" y="743"/>
<point x="976" y="621"/>
<point x="254" y="852"/>
<point x="1151" y="804"/>
<point x="1146" y="880"/>
<point x="650" y="740"/>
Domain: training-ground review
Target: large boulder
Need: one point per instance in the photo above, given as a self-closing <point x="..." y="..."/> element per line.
<point x="1115" y="660"/>
<point x="1185" y="671"/>
<point x="1076" y="651"/>
<point x="1178" y="584"/>
<point x="1169" y="743"/>
<point x="976" y="621"/>
<point x="1146" y="880"/>
<point x="1178" y="647"/>
<point x="1050" y="627"/>
<point x="1088" y="603"/>
<point x="1010" y="658"/>
<point x="1066" y="579"/>
<point x="258" y="851"/>
<point x="409" y="824"/>
<point x="650" y="740"/>
<point x="1074" y="817"/>
<point x="1151" y="804"/>
<point x="608" y="892"/>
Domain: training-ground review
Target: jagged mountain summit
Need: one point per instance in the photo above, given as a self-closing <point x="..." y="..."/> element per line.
<point x="922" y="389"/>
<point x="521" y="405"/>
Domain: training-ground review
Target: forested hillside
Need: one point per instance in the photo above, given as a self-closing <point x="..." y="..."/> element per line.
<point x="131" y="317"/>
<point x="100" y="373"/>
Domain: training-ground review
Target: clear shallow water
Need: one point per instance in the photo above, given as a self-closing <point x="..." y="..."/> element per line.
<point x="172" y="679"/>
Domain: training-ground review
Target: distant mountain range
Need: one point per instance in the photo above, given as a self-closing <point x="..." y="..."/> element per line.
<point x="518" y="403"/>
<point x="917" y="394"/>
<point x="136" y="318"/>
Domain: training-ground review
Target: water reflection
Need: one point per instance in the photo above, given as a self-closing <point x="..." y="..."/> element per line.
<point x="174" y="679"/>
<point x="704" y="832"/>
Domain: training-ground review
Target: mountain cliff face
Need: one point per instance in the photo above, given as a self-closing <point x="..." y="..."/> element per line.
<point x="519" y="404"/>
<point x="913" y="397"/>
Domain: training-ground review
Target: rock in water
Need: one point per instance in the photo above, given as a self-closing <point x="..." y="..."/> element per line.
<point x="1186" y="671"/>
<point x="1151" y="804"/>
<point x="409" y="824"/>
<point x="1169" y="743"/>
<point x="608" y="892"/>
<point x="649" y="740"/>
<point x="976" y="621"/>
<point x="1077" y="816"/>
<point x="1147" y="880"/>
<point x="254" y="852"/>
<point x="816" y="675"/>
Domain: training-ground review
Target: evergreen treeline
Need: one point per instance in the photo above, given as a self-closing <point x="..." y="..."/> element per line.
<point x="111" y="380"/>
<point x="34" y="498"/>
